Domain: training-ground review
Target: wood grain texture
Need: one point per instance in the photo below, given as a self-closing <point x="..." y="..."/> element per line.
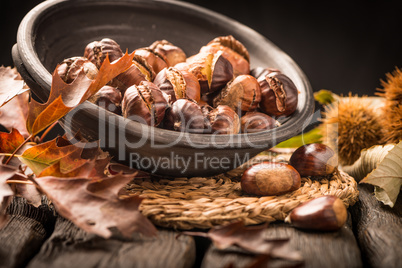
<point x="326" y="249"/>
<point x="378" y="229"/>
<point x="70" y="246"/>
<point x="25" y="233"/>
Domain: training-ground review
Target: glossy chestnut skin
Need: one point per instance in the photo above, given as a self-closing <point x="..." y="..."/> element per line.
<point x="233" y="50"/>
<point x="172" y="54"/>
<point x="154" y="59"/>
<point x="314" y="159"/>
<point x="212" y="70"/>
<point x="224" y="120"/>
<point x="261" y="72"/>
<point x="97" y="51"/>
<point x="253" y="122"/>
<point x="279" y="95"/>
<point x="325" y="213"/>
<point x="69" y="69"/>
<point x="186" y="116"/>
<point x="270" y="178"/>
<point x="108" y="98"/>
<point x="243" y="94"/>
<point x="178" y="84"/>
<point x="144" y="103"/>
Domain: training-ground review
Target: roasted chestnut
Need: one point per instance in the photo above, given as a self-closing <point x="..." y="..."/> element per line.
<point x="270" y="178"/>
<point x="253" y="122"/>
<point x="325" y="213"/>
<point x="242" y="94"/>
<point x="144" y="103"/>
<point x="261" y="72"/>
<point x="172" y="53"/>
<point x="224" y="120"/>
<point x="185" y="115"/>
<point x="233" y="50"/>
<point x="279" y="95"/>
<point x="314" y="159"/>
<point x="97" y="51"/>
<point x="108" y="98"/>
<point x="69" y="69"/>
<point x="212" y="70"/>
<point x="154" y="59"/>
<point x="178" y="84"/>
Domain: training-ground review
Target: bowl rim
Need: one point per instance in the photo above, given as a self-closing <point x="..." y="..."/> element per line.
<point x="33" y="65"/>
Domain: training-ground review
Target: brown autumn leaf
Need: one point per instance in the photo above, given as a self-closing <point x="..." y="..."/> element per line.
<point x="65" y="97"/>
<point x="9" y="142"/>
<point x="249" y="238"/>
<point x="94" y="205"/>
<point x="6" y="173"/>
<point x="11" y="84"/>
<point x="116" y="168"/>
<point x="14" y="114"/>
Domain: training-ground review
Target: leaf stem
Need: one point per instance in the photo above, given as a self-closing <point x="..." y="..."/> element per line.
<point x="16" y="150"/>
<point x="47" y="131"/>
<point x="20" y="182"/>
<point x="7" y="154"/>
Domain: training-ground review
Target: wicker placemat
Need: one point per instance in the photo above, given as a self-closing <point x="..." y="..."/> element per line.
<point x="187" y="203"/>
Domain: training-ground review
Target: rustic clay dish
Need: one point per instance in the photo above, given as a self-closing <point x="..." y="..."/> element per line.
<point x="59" y="29"/>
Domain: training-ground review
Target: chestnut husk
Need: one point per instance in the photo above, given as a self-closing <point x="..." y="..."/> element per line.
<point x="109" y="98"/>
<point x="223" y="120"/>
<point x="270" y="178"/>
<point x="279" y="95"/>
<point x="97" y="51"/>
<point x="242" y="94"/>
<point x="172" y="54"/>
<point x="69" y="69"/>
<point x="178" y="84"/>
<point x="253" y="122"/>
<point x="144" y="103"/>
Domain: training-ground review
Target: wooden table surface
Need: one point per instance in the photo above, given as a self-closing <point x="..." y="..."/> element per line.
<point x="37" y="237"/>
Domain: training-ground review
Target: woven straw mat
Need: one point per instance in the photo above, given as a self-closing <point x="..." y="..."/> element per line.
<point x="187" y="203"/>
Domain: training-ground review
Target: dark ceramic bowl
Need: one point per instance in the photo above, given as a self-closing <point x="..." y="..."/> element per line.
<point x="59" y="29"/>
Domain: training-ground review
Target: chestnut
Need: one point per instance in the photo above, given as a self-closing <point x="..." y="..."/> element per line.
<point x="97" y="51"/>
<point x="172" y="54"/>
<point x="314" y="159"/>
<point x="261" y="72"/>
<point x="144" y="103"/>
<point x="224" y="120"/>
<point x="279" y="95"/>
<point x="178" y="84"/>
<point x="325" y="213"/>
<point x="154" y="59"/>
<point x="270" y="178"/>
<point x="233" y="50"/>
<point x="212" y="70"/>
<point x="241" y="94"/>
<point x="253" y="122"/>
<point x="69" y="69"/>
<point x="186" y="116"/>
<point x="108" y="98"/>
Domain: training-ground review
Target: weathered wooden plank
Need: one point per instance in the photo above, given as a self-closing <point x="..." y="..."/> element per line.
<point x="327" y="249"/>
<point x="70" y="246"/>
<point x="378" y="229"/>
<point x="25" y="233"/>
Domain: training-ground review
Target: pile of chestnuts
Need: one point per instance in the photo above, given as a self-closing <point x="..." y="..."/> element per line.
<point x="213" y="91"/>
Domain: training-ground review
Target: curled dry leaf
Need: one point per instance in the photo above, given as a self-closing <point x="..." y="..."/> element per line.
<point x="11" y="84"/>
<point x="387" y="177"/>
<point x="368" y="161"/>
<point x="249" y="238"/>
<point x="94" y="205"/>
<point x="14" y="114"/>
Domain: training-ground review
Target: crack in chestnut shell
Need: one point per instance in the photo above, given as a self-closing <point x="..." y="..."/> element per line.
<point x="243" y="94"/>
<point x="97" y="51"/>
<point x="270" y="178"/>
<point x="173" y="54"/>
<point x="178" y="84"/>
<point x="69" y="69"/>
<point x="253" y="122"/>
<point x="224" y="120"/>
<point x="260" y="72"/>
<point x="279" y="95"/>
<point x="185" y="115"/>
<point x="154" y="59"/>
<point x="108" y="98"/>
<point x="144" y="103"/>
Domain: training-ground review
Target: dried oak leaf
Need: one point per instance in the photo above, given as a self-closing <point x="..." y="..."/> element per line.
<point x="11" y="84"/>
<point x="94" y="205"/>
<point x="387" y="177"/>
<point x="249" y="238"/>
<point x="65" y="97"/>
<point x="14" y="114"/>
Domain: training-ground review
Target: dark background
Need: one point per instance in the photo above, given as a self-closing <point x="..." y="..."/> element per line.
<point x="341" y="46"/>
